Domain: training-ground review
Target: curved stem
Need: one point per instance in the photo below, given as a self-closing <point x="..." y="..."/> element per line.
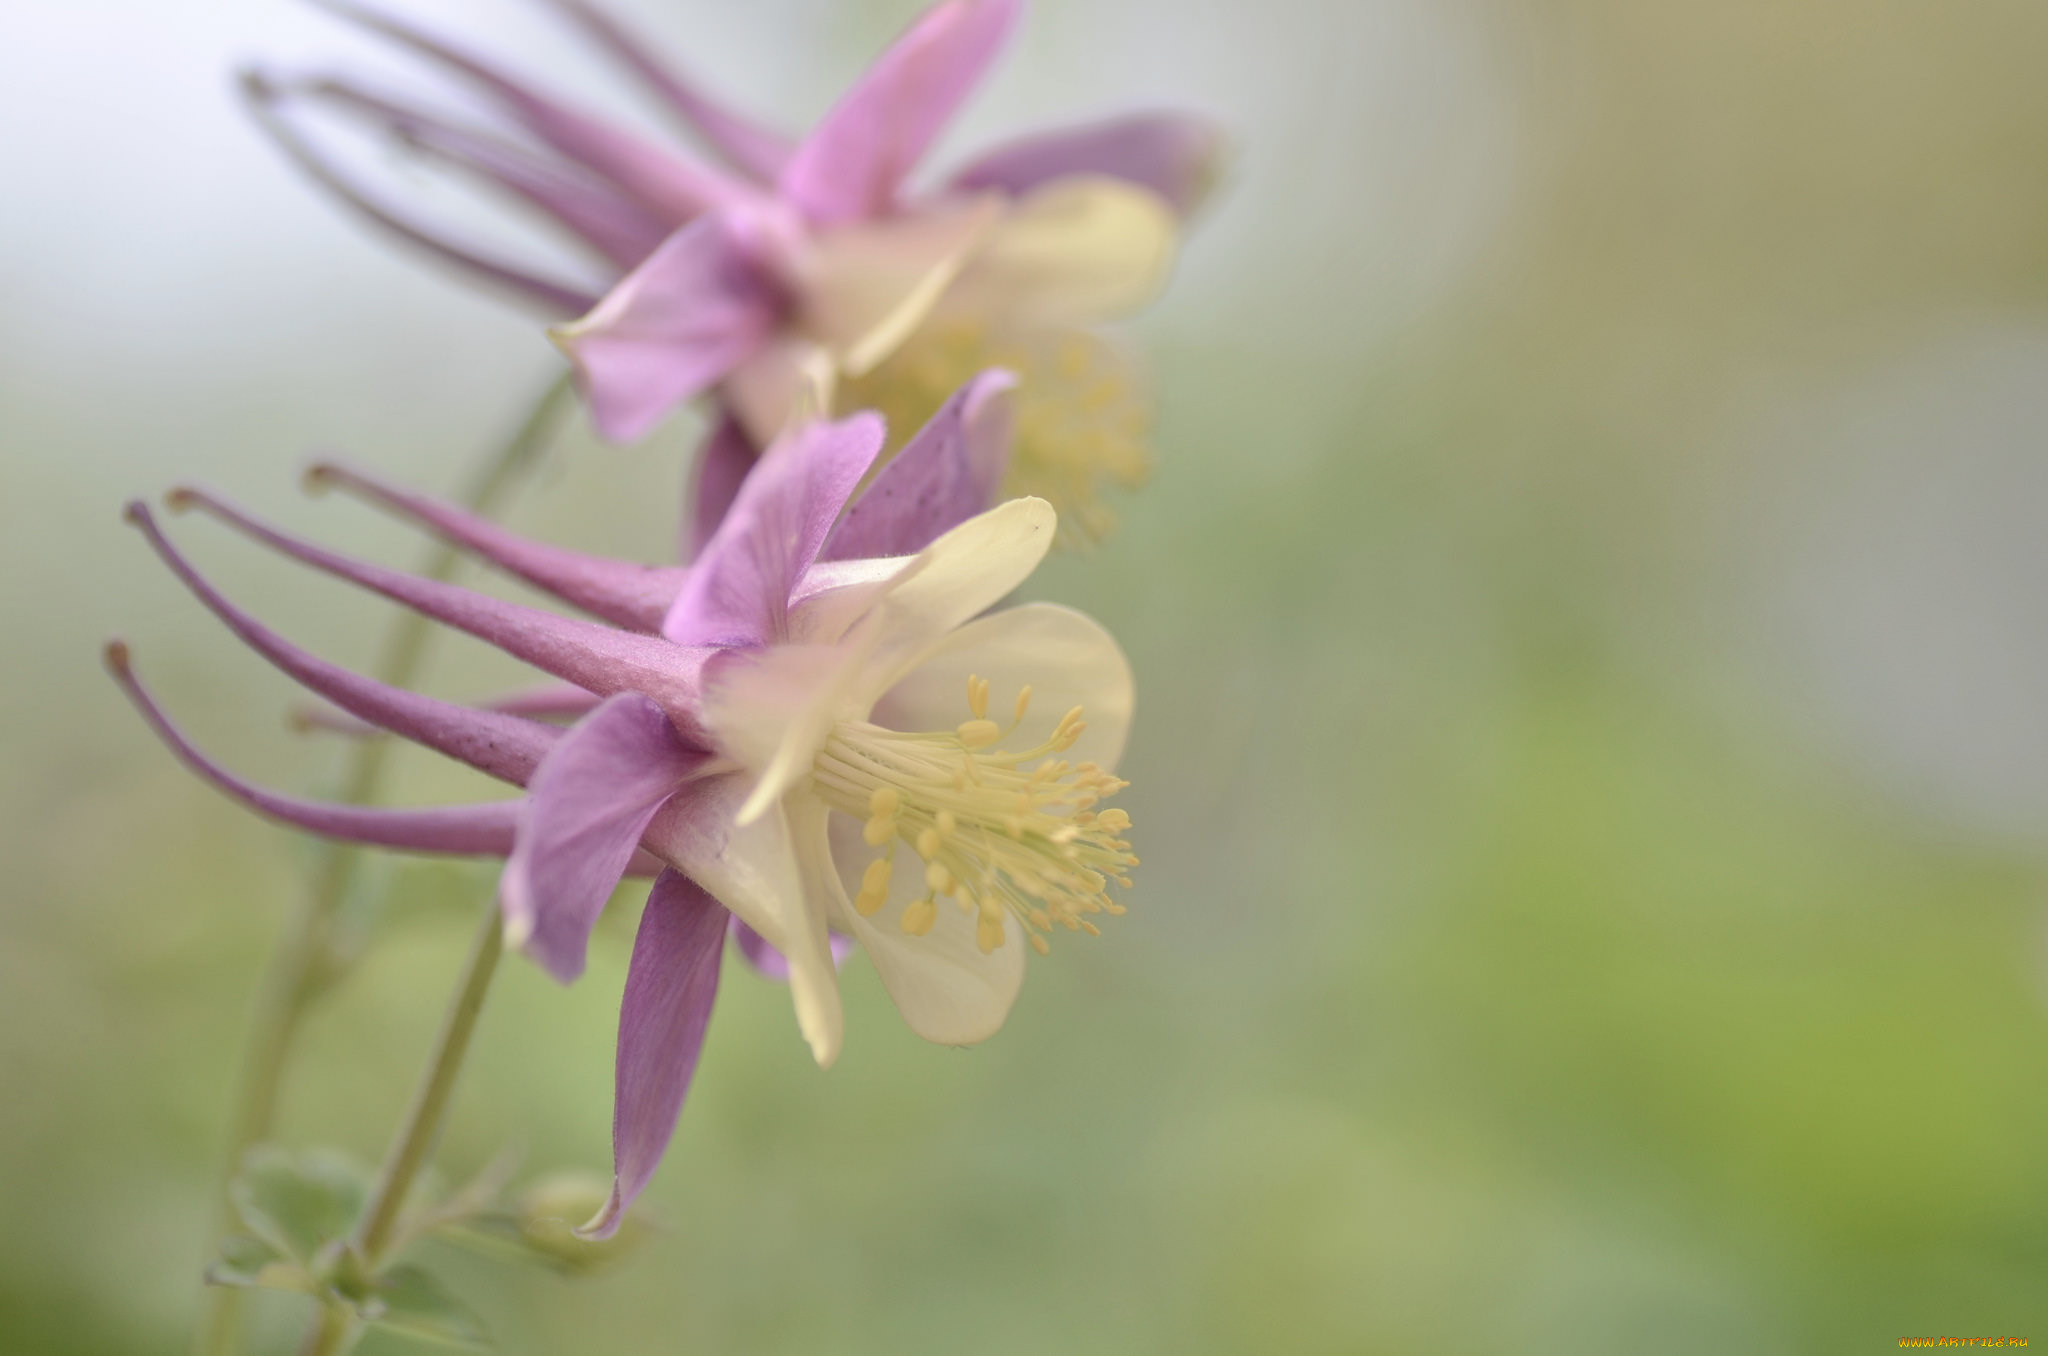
<point x="303" y="963"/>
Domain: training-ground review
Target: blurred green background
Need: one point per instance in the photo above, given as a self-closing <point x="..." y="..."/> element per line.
<point x="1592" y="755"/>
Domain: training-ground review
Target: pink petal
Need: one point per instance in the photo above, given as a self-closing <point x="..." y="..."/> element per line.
<point x="850" y="166"/>
<point x="745" y="144"/>
<point x="950" y="471"/>
<point x="752" y="869"/>
<point x="671" y="984"/>
<point x="467" y="830"/>
<point x="586" y="808"/>
<point x="738" y="590"/>
<point x="1176" y="155"/>
<point x="698" y="307"/>
<point x="633" y="596"/>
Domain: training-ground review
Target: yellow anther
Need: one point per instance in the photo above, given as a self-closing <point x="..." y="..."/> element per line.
<point x="874" y="888"/>
<point x="1023" y="702"/>
<point x="979" y="733"/>
<point x="919" y="915"/>
<point x="1007" y="835"/>
<point x="1039" y="944"/>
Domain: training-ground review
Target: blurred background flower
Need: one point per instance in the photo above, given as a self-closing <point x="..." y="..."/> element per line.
<point x="1594" y="536"/>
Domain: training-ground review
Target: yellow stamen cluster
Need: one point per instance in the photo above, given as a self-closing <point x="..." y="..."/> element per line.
<point x="1082" y="421"/>
<point x="1004" y="834"/>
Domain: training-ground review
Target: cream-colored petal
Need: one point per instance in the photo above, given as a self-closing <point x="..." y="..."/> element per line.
<point x="946" y="989"/>
<point x="955" y="579"/>
<point x="791" y="378"/>
<point x="755" y="870"/>
<point x="867" y="285"/>
<point x="1074" y="251"/>
<point x="1068" y="659"/>
<point x="771" y="710"/>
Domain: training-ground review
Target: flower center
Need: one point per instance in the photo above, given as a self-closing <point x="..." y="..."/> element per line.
<point x="1006" y="835"/>
<point x="1082" y="421"/>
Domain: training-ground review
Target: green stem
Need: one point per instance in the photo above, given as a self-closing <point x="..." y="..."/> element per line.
<point x="422" y="1125"/>
<point x="332" y="1333"/>
<point x="303" y="964"/>
<point x="332" y="1328"/>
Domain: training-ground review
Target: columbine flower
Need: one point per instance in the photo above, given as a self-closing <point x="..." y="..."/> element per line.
<point x="801" y="261"/>
<point x="815" y="659"/>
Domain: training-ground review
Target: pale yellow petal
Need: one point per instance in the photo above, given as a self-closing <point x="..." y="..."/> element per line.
<point x="754" y="870"/>
<point x="771" y="710"/>
<point x="958" y="577"/>
<point x="947" y="990"/>
<point x="1067" y="658"/>
<point x="1074" y="251"/>
<point x="866" y="286"/>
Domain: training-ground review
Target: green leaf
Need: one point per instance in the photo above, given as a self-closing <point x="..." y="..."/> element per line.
<point x="245" y="1261"/>
<point x="408" y="1301"/>
<point x="298" y="1203"/>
